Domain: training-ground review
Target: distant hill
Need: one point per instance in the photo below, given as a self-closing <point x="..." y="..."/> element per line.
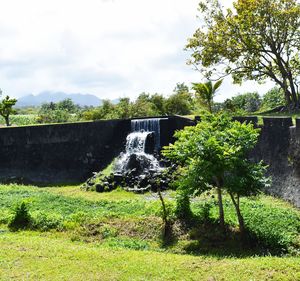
<point x="47" y="96"/>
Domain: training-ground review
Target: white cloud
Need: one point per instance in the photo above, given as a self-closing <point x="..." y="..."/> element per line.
<point x="110" y="48"/>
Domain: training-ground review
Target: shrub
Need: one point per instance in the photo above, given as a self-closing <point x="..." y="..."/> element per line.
<point x="275" y="228"/>
<point x="21" y="218"/>
<point x="45" y="222"/>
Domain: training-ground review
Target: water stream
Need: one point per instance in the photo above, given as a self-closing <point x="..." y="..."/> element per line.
<point x="143" y="140"/>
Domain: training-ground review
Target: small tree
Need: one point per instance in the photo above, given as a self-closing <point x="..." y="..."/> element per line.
<point x="205" y="92"/>
<point x="6" y="108"/>
<point x="213" y="154"/>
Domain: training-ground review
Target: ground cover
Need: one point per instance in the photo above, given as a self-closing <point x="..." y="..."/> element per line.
<point x="117" y="236"/>
<point x="35" y="256"/>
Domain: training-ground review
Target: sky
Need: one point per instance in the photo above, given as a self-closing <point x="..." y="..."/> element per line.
<point x="109" y="48"/>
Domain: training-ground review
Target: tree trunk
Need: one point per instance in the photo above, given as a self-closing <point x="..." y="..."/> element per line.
<point x="164" y="215"/>
<point x="7" y="121"/>
<point x="293" y="91"/>
<point x="236" y="204"/>
<point x="221" y="209"/>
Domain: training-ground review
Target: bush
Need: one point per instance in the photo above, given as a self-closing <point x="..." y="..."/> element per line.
<point x="21" y="218"/>
<point x="275" y="228"/>
<point x="44" y="222"/>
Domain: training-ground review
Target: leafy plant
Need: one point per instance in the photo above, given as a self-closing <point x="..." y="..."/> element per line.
<point x="21" y="218"/>
<point x="214" y="154"/>
<point x="205" y="92"/>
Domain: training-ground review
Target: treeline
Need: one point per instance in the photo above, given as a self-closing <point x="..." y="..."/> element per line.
<point x="183" y="101"/>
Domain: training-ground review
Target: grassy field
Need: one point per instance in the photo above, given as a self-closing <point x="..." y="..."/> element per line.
<point x="80" y="235"/>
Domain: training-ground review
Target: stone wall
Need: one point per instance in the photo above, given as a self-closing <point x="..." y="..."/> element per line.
<point x="67" y="153"/>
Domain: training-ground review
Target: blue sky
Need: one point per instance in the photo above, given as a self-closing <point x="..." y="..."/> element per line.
<point x="109" y="48"/>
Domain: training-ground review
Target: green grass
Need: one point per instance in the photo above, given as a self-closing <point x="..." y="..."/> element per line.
<point x="117" y="236"/>
<point x="35" y="256"/>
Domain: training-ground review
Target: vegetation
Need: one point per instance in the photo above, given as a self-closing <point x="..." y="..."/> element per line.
<point x="256" y="40"/>
<point x="101" y="230"/>
<point x="63" y="111"/>
<point x="272" y="99"/>
<point x="21" y="218"/>
<point x="6" y="108"/>
<point x="205" y="93"/>
<point x="180" y="102"/>
<point x="214" y="154"/>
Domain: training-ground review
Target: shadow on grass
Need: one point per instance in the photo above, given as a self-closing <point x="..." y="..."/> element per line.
<point x="207" y="238"/>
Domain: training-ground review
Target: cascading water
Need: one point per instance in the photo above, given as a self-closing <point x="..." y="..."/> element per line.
<point x="144" y="133"/>
<point x="148" y="125"/>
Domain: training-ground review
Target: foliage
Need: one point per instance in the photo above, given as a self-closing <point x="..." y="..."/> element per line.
<point x="205" y="93"/>
<point x="183" y="207"/>
<point x="120" y="216"/>
<point x="180" y="102"/>
<point x="275" y="228"/>
<point x="6" y="108"/>
<point x="255" y="40"/>
<point x="248" y="102"/>
<point x="21" y="119"/>
<point x="272" y="99"/>
<point x="63" y="111"/>
<point x="214" y="154"/>
<point x="21" y="218"/>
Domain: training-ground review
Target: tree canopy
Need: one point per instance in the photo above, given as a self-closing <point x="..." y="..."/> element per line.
<point x="254" y="40"/>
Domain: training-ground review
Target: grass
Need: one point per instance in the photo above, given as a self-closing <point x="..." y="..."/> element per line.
<point x="35" y="256"/>
<point x="117" y="236"/>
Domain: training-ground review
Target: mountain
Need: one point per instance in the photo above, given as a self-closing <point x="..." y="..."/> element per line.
<point x="47" y="96"/>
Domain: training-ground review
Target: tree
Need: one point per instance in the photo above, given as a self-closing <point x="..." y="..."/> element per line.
<point x="255" y="40"/>
<point x="249" y="102"/>
<point x="213" y="154"/>
<point x="205" y="92"/>
<point x="158" y="104"/>
<point x="6" y="108"/>
<point x="68" y="105"/>
<point x="273" y="98"/>
<point x="124" y="108"/>
<point x="63" y="111"/>
<point x="105" y="111"/>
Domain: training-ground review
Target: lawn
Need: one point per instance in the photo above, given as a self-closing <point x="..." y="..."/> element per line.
<point x="117" y="236"/>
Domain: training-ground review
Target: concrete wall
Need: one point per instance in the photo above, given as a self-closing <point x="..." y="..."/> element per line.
<point x="279" y="147"/>
<point x="67" y="153"/>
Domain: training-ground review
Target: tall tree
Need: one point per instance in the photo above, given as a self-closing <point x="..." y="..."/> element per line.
<point x="6" y="108"/>
<point x="206" y="92"/>
<point x="255" y="40"/>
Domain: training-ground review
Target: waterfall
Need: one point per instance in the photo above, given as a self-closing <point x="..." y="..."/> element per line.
<point x="145" y="133"/>
<point x="148" y="125"/>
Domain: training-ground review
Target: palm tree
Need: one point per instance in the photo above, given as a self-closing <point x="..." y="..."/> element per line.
<point x="206" y="92"/>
